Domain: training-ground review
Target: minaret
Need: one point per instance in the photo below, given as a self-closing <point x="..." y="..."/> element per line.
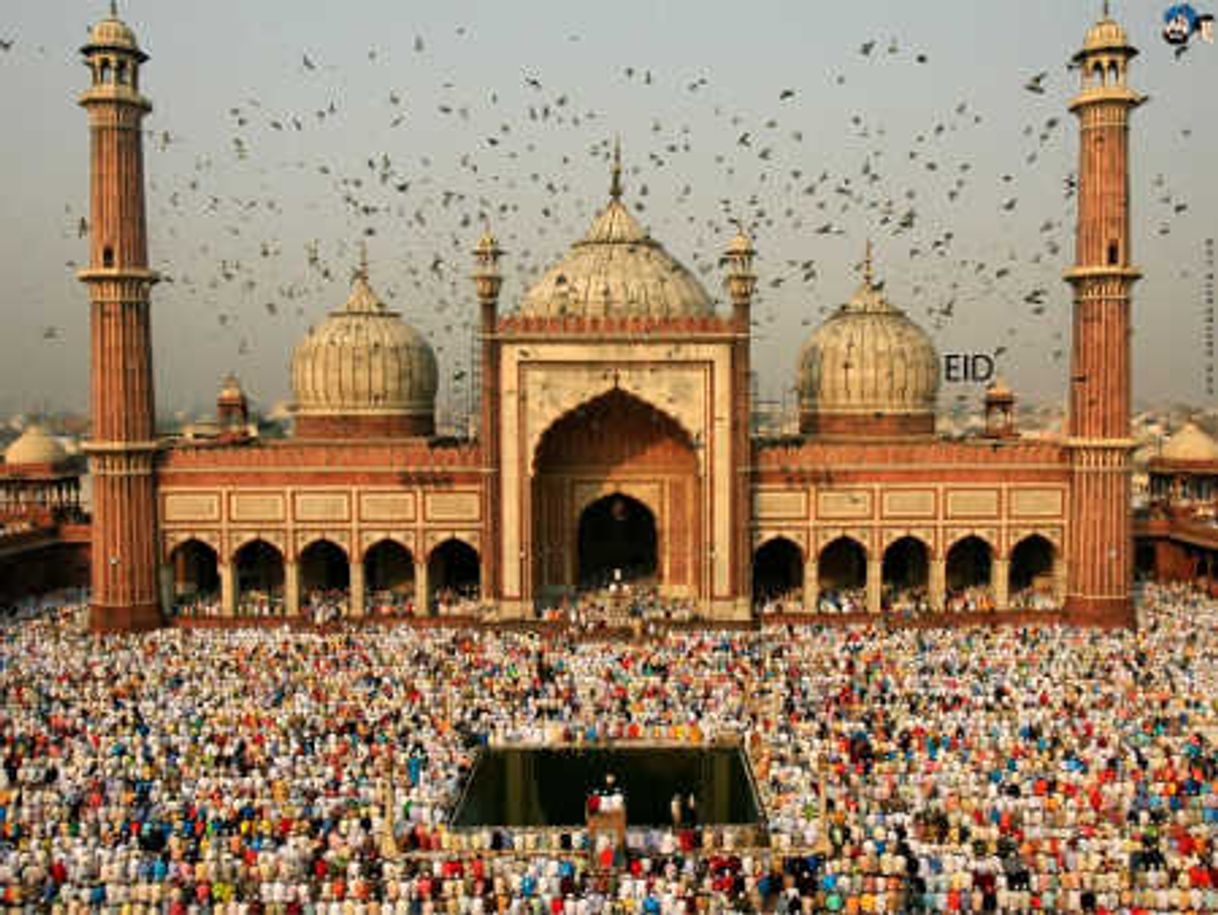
<point x="122" y="446"/>
<point x="1100" y="538"/>
<point x="741" y="283"/>
<point x="487" y="282"/>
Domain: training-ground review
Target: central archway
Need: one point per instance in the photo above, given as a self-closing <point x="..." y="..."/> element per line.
<point x="618" y="542"/>
<point x="616" y="486"/>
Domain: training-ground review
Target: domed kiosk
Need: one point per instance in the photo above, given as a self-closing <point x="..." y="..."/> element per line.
<point x="364" y="373"/>
<point x="868" y="371"/>
<point x="34" y="448"/>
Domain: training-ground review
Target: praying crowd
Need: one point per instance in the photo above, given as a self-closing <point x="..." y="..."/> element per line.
<point x="271" y="770"/>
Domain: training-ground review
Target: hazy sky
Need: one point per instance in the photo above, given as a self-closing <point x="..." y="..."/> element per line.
<point x="417" y="121"/>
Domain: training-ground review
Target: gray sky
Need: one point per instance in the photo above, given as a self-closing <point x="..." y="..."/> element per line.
<point x="440" y="119"/>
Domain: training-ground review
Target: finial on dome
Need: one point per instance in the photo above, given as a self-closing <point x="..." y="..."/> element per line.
<point x="868" y="273"/>
<point x="615" y="174"/>
<point x="113" y="9"/>
<point x="1107" y="10"/>
<point x="361" y="272"/>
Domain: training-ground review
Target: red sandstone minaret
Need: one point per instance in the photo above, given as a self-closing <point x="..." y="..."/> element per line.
<point x="1100" y="541"/>
<point x="122" y="447"/>
<point x="741" y="283"/>
<point x="488" y="280"/>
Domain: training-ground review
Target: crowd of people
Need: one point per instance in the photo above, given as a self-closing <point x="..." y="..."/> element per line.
<point x="631" y="606"/>
<point x="973" y="599"/>
<point x="602" y="609"/>
<point x="957" y="769"/>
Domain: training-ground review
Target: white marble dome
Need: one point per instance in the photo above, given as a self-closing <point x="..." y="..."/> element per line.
<point x="364" y="360"/>
<point x="34" y="447"/>
<point x="868" y="370"/>
<point x="617" y="270"/>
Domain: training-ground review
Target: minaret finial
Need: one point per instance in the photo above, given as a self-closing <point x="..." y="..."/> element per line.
<point x="113" y="9"/>
<point x="868" y="275"/>
<point x="361" y="272"/>
<point x="1107" y="10"/>
<point x="615" y="175"/>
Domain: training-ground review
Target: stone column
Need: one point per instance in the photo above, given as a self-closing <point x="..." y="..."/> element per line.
<point x="356" y="579"/>
<point x="291" y="589"/>
<point x="875" y="584"/>
<point x="938" y="583"/>
<point x="422" y="589"/>
<point x="1000" y="582"/>
<point x="228" y="592"/>
<point x="811" y="583"/>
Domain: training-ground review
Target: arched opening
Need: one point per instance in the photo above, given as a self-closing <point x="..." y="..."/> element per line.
<point x="1033" y="574"/>
<point x="388" y="579"/>
<point x="1114" y="253"/>
<point x="196" y="579"/>
<point x="904" y="576"/>
<point x="325" y="580"/>
<point x="842" y="577"/>
<point x="970" y="564"/>
<point x="617" y="543"/>
<point x="455" y="575"/>
<point x="616" y="443"/>
<point x="259" y="579"/>
<point x="778" y="571"/>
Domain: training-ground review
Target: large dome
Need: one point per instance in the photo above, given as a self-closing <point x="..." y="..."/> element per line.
<point x="868" y="371"/>
<point x="34" y="447"/>
<point x="364" y="372"/>
<point x="1191" y="444"/>
<point x="617" y="270"/>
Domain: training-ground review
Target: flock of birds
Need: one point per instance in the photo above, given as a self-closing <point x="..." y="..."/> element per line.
<point x="264" y="229"/>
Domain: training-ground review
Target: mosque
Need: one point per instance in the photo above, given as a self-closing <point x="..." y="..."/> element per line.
<point x="614" y="444"/>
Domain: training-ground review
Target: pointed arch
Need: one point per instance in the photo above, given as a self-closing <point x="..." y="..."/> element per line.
<point x="454" y="573"/>
<point x="905" y="572"/>
<point x="621" y="446"/>
<point x="969" y="564"/>
<point x="778" y="569"/>
<point x="841" y="576"/>
<point x="196" y="574"/>
<point x="323" y="566"/>
<point x="389" y="577"/>
<point x="586" y="431"/>
<point x="1032" y="581"/>
<point x="618" y="542"/>
<point x="259" y="568"/>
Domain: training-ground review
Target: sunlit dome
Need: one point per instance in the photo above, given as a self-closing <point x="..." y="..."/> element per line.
<point x="112" y="34"/>
<point x="364" y="371"/>
<point x="617" y="270"/>
<point x="1191" y="443"/>
<point x="868" y="370"/>
<point x="34" y="447"/>
<point x="1104" y="35"/>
